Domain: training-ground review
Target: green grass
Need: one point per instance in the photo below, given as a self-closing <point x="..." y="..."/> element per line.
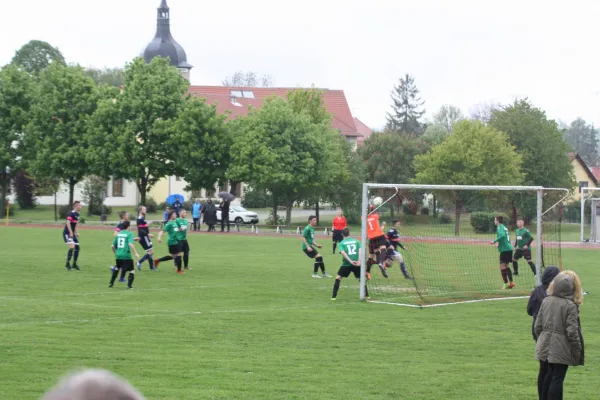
<point x="248" y="322"/>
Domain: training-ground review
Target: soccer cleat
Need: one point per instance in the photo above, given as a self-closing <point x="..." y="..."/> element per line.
<point x="368" y="276"/>
<point x="180" y="272"/>
<point x="326" y="275"/>
<point x="111" y="285"/>
<point x="383" y="271"/>
<point x="121" y="279"/>
<point x="333" y="299"/>
<point x="129" y="287"/>
<point x="511" y="285"/>
<point x="156" y="262"/>
<point x="153" y="269"/>
<point x="505" y="286"/>
<point x="139" y="266"/>
<point x="75" y="266"/>
<point x="316" y="276"/>
<point x="67" y="266"/>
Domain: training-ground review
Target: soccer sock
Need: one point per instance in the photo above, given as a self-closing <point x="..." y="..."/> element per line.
<point x="532" y="266"/>
<point x="186" y="259"/>
<point x="130" y="278"/>
<point x="366" y="291"/>
<point x="383" y="255"/>
<point x="75" y="254"/>
<point x="69" y="255"/>
<point x="403" y="269"/>
<point x="165" y="258"/>
<point x="369" y="263"/>
<point x="504" y="275"/>
<point x="178" y="262"/>
<point x="516" y="267"/>
<point x="123" y="272"/>
<point x="144" y="258"/>
<point x="509" y="273"/>
<point x="150" y="261"/>
<point x="334" y="246"/>
<point x="336" y="287"/>
<point x="378" y="257"/>
<point x="320" y="264"/>
<point x="113" y="278"/>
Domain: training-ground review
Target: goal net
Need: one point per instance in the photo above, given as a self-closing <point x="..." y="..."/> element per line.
<point x="447" y="233"/>
<point x="590" y="215"/>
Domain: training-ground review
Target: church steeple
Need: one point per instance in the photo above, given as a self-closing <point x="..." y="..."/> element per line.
<point x="164" y="45"/>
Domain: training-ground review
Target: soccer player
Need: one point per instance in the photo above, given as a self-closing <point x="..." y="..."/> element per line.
<point x="172" y="228"/>
<point x="122" y="218"/>
<point x="350" y="251"/>
<point x="182" y="236"/>
<point x="505" y="249"/>
<point x="376" y="243"/>
<point x="308" y="244"/>
<point x="145" y="238"/>
<point x="523" y="247"/>
<point x="71" y="236"/>
<point x="393" y="237"/>
<point x="338" y="224"/>
<point x="123" y="245"/>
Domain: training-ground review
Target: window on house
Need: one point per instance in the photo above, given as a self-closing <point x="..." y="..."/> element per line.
<point x="247" y="94"/>
<point x="236" y="93"/>
<point x="210" y="192"/>
<point x="582" y="184"/>
<point x="223" y="188"/>
<point x="177" y="178"/>
<point x="117" y="187"/>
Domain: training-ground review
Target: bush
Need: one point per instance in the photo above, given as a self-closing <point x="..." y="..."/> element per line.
<point x="25" y="190"/>
<point x="63" y="211"/>
<point x="572" y="212"/>
<point x="352" y="216"/>
<point x="94" y="193"/>
<point x="483" y="222"/>
<point x="82" y="220"/>
<point x="151" y="205"/>
<point x="254" y="198"/>
<point x="271" y="221"/>
<point x="187" y="205"/>
<point x="424" y="211"/>
<point x="445" y="219"/>
<point x="162" y="206"/>
<point x="410" y="208"/>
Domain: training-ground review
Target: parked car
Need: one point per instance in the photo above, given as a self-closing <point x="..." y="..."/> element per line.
<point x="239" y="215"/>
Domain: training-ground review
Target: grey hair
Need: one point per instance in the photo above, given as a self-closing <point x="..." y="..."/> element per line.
<point x="93" y="384"/>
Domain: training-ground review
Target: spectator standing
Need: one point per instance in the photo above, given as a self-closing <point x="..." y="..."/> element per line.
<point x="196" y="211"/>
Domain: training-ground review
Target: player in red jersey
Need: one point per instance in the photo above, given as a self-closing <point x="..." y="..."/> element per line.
<point x="337" y="227"/>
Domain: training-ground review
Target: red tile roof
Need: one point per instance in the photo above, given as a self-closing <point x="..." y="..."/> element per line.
<point x="589" y="173"/>
<point x="335" y="101"/>
<point x="596" y="172"/>
<point x="363" y="130"/>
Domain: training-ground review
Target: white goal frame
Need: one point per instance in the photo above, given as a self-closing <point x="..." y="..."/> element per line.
<point x="584" y="191"/>
<point x="365" y="204"/>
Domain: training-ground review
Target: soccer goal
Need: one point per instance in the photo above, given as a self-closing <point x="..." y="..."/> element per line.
<point x="447" y="231"/>
<point x="590" y="215"/>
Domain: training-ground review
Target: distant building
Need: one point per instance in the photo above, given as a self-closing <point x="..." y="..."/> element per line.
<point x="583" y="175"/>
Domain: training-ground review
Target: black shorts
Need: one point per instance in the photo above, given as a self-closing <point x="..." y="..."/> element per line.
<point x="311" y="254"/>
<point x="175" y="248"/>
<point x="184" y="246"/>
<point x="345" y="271"/>
<point x="126" y="265"/>
<point x="506" y="257"/>
<point x="519" y="253"/>
<point x="68" y="240"/>
<point x="337" y="236"/>
<point x="376" y="243"/>
<point x="146" y="242"/>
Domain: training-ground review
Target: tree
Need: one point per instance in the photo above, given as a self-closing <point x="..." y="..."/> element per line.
<point x="474" y="154"/>
<point x="36" y="56"/>
<point x="107" y="76"/>
<point x="55" y="137"/>
<point x="540" y="143"/>
<point x="248" y="79"/>
<point x="203" y="158"/>
<point x="483" y="111"/>
<point x="17" y="90"/>
<point x="582" y="138"/>
<point x="25" y="190"/>
<point x="406" y="108"/>
<point x="130" y="134"/>
<point x="435" y="134"/>
<point x="282" y="151"/>
<point x="447" y="116"/>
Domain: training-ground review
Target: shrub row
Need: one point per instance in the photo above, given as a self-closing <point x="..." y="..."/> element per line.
<point x="483" y="222"/>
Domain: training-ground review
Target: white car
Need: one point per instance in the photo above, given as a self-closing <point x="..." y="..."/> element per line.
<point x="239" y="215"/>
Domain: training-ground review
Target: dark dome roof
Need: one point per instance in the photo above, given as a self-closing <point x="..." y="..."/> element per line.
<point x="163" y="44"/>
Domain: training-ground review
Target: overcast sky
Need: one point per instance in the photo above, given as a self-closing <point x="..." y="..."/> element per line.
<point x="461" y="52"/>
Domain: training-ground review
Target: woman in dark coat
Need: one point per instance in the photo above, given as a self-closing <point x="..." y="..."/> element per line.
<point x="210" y="215"/>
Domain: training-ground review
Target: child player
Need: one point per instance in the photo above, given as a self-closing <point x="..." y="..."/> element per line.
<point x="145" y="238"/>
<point x="308" y="245"/>
<point x="122" y="246"/>
<point x="337" y="226"/>
<point x="523" y="247"/>
<point x="505" y="249"/>
<point x="393" y="237"/>
<point x="350" y="251"/>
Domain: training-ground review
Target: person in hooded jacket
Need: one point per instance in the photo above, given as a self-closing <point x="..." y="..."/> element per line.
<point x="539" y="294"/>
<point x="559" y="337"/>
<point x="210" y="215"/>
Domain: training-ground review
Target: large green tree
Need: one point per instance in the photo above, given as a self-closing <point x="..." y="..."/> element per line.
<point x="474" y="154"/>
<point x="407" y="108"/>
<point x="36" y="56"/>
<point x="131" y="134"/>
<point x="107" y="76"/>
<point x="582" y="137"/>
<point x="17" y="90"/>
<point x="55" y="139"/>
<point x="447" y="116"/>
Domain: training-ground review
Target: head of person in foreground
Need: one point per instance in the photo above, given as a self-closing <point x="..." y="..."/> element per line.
<point x="93" y="384"/>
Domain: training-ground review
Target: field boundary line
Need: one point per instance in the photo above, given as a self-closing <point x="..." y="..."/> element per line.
<point x="446" y="304"/>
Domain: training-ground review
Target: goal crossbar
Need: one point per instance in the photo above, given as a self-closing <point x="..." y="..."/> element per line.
<point x="539" y="190"/>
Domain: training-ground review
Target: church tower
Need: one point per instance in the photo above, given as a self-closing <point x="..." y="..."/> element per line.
<point x="164" y="45"/>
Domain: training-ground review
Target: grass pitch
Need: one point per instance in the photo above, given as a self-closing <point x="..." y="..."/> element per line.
<point x="248" y="322"/>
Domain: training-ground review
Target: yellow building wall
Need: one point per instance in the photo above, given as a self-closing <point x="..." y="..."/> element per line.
<point x="580" y="176"/>
<point x="160" y="191"/>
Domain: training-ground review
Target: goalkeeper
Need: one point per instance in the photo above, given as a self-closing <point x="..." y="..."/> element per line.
<point x="523" y="247"/>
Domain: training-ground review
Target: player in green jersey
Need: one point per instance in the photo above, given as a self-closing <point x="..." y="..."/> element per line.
<point x="350" y="251"/>
<point x="523" y="247"/>
<point x="502" y="242"/>
<point x="182" y="236"/>
<point x="172" y="229"/>
<point x="308" y="245"/>
<point x="123" y="244"/>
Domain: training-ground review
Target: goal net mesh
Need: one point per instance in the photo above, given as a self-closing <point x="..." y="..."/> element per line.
<point x="447" y="235"/>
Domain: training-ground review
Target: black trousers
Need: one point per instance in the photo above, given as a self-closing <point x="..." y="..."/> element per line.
<point x="550" y="380"/>
<point x="196" y="223"/>
<point x="223" y="222"/>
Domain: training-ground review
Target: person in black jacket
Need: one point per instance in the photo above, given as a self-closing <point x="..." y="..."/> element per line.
<point x="225" y="215"/>
<point x="210" y="215"/>
<point x="539" y="294"/>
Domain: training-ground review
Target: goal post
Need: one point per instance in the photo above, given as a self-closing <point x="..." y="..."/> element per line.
<point x="452" y="265"/>
<point x="590" y="200"/>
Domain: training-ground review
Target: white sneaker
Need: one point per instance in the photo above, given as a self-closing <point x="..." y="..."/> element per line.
<point x="316" y="276"/>
<point x="326" y="275"/>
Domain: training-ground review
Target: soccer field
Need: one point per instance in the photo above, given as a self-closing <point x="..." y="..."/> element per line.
<point x="249" y="322"/>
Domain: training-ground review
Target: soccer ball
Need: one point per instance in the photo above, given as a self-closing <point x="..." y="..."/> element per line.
<point x="377" y="201"/>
